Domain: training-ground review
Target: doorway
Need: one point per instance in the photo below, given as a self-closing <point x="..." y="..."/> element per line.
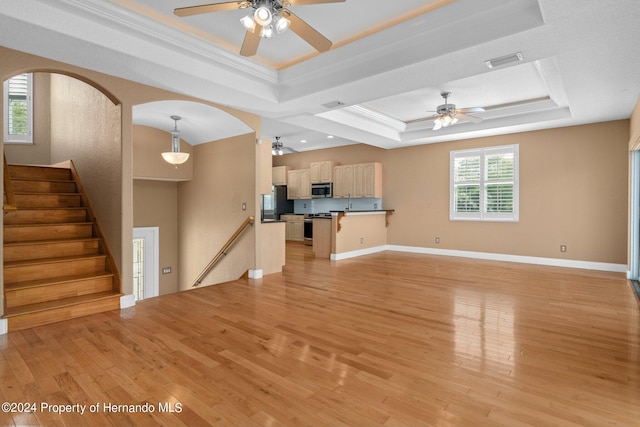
<point x="146" y="259"/>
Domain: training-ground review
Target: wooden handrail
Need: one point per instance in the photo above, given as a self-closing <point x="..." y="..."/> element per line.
<point x="222" y="252"/>
<point x="10" y="198"/>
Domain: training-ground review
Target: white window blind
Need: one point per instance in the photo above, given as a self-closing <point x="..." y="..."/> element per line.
<point x="484" y="184"/>
<point x="18" y="109"/>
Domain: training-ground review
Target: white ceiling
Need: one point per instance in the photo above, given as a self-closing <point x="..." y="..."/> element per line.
<point x="389" y="62"/>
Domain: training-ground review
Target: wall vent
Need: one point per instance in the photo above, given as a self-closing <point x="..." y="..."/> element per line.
<point x="504" y="60"/>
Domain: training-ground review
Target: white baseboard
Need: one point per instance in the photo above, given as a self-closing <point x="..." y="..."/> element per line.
<point x="359" y="252"/>
<point x="127" y="301"/>
<point x="255" y="274"/>
<point x="4" y="326"/>
<point x="588" y="265"/>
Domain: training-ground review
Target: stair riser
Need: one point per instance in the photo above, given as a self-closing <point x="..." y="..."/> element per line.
<point x="15" y="274"/>
<point x="32" y="320"/>
<point x="39" y="173"/>
<point x="45" y="216"/>
<point x="25" y="252"/>
<point x="47" y="232"/>
<point x="43" y="186"/>
<point x="18" y="297"/>
<point x="48" y="200"/>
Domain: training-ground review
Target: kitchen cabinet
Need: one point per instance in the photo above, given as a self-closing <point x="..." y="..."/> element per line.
<point x="294" y="227"/>
<point x="363" y="180"/>
<point x="342" y="181"/>
<point x="279" y="175"/>
<point x="299" y="184"/>
<point x="321" y="172"/>
<point x="367" y="179"/>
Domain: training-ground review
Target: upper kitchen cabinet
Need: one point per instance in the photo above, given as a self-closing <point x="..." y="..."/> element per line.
<point x="279" y="175"/>
<point x="363" y="180"/>
<point x="321" y="172"/>
<point x="367" y="180"/>
<point x="343" y="181"/>
<point x="299" y="184"/>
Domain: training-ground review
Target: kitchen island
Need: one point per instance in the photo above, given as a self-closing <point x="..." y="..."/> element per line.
<point x="348" y="234"/>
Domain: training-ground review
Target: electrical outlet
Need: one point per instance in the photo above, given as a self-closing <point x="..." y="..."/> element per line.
<point x="166" y="270"/>
<point x="362" y="240"/>
<point x="375" y="206"/>
<point x="437" y="240"/>
<point x="563" y="248"/>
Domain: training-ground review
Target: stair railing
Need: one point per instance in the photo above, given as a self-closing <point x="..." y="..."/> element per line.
<point x="223" y="252"/>
<point x="10" y="198"/>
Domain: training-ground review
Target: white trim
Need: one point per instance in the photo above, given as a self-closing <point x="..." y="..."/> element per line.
<point x="359" y="252"/>
<point x="556" y="262"/>
<point x="589" y="265"/>
<point x="151" y="270"/>
<point x="4" y="326"/>
<point x="255" y="274"/>
<point x="127" y="301"/>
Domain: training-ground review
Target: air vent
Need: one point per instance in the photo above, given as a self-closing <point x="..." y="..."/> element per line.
<point x="333" y="104"/>
<point x="504" y="60"/>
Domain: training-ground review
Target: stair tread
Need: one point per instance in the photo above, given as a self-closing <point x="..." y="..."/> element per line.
<point x="65" y="302"/>
<point x="35" y="193"/>
<point x="54" y="281"/>
<point x="52" y="241"/>
<point x="47" y="224"/>
<point x="52" y="260"/>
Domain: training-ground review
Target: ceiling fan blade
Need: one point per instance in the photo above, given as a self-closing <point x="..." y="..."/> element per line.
<point x="471" y="110"/>
<point x="307" y="32"/>
<point x="206" y="8"/>
<point x="251" y="42"/>
<point x="305" y="2"/>
<point x="471" y="119"/>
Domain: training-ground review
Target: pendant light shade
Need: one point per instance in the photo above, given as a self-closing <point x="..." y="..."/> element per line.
<point x="175" y="157"/>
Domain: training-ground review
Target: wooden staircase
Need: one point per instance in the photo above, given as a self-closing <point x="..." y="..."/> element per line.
<point x="56" y="263"/>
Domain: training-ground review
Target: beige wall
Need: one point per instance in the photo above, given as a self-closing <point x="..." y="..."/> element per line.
<point x="358" y="232"/>
<point x="85" y="128"/>
<point x="155" y="204"/>
<point x="210" y="210"/>
<point x="573" y="191"/>
<point x="634" y="141"/>
<point x="148" y="144"/>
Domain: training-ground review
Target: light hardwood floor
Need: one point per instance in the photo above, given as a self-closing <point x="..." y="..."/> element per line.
<point x="388" y="339"/>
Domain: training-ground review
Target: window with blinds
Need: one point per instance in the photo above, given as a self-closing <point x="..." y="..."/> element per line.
<point x="18" y="109"/>
<point x="484" y="184"/>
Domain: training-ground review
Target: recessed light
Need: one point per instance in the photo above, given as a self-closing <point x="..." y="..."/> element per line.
<point x="330" y="136"/>
<point x="303" y="141"/>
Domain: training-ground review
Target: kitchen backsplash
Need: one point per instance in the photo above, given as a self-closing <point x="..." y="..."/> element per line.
<point x="325" y="205"/>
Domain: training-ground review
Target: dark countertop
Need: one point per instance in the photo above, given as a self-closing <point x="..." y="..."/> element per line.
<point x="268" y="221"/>
<point x="363" y="210"/>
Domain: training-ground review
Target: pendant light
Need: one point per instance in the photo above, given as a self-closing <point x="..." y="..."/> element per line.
<point x="175" y="157"/>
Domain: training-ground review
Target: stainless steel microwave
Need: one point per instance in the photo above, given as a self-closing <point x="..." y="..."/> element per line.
<point x="319" y="191"/>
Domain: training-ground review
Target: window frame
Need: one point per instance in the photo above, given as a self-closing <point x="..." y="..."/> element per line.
<point x="14" y="138"/>
<point x="482" y="214"/>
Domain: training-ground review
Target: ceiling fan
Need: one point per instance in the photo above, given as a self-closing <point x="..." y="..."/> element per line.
<point x="278" y="148"/>
<point x="266" y="16"/>
<point x="447" y="114"/>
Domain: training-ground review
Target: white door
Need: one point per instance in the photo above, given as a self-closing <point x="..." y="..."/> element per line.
<point x="146" y="261"/>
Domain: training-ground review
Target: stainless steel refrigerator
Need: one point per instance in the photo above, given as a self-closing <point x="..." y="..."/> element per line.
<point x="276" y="203"/>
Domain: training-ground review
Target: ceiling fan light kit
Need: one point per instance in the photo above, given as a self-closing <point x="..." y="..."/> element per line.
<point x="269" y="15"/>
<point x="449" y="115"/>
